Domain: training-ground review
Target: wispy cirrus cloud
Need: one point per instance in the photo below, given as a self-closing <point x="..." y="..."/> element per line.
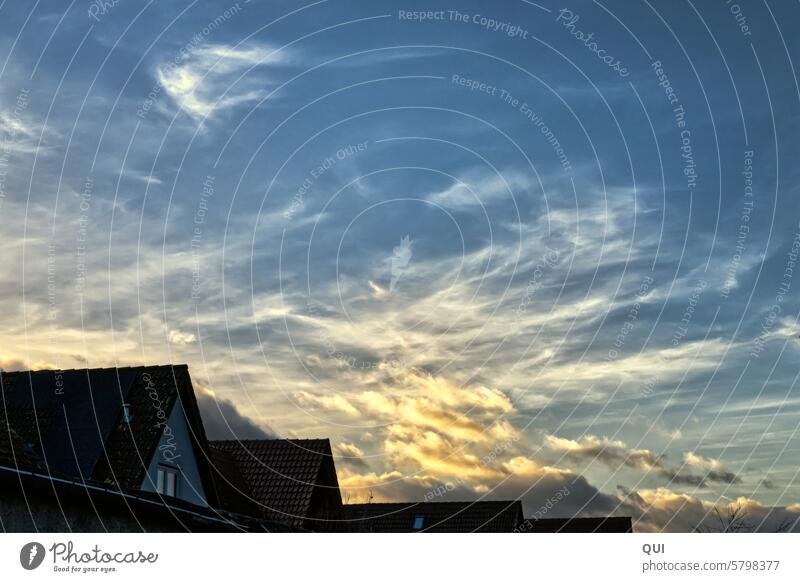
<point x="215" y="77"/>
<point x="482" y="189"/>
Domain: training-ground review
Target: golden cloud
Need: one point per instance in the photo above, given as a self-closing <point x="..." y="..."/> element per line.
<point x="433" y="427"/>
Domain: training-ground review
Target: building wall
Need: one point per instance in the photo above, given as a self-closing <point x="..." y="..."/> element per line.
<point x="31" y="503"/>
<point x="175" y="450"/>
<point x="18" y="514"/>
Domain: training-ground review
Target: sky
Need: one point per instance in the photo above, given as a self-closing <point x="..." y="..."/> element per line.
<point x="504" y="250"/>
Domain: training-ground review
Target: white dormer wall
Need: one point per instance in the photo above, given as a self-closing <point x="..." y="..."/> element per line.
<point x="175" y="450"/>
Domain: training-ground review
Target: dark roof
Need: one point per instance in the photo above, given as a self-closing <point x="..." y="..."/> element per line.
<point x="14" y="451"/>
<point x="459" y="516"/>
<point x="232" y="489"/>
<point x="71" y="420"/>
<point x="578" y="525"/>
<point x="280" y="476"/>
<point x="67" y="416"/>
<point x="59" y="505"/>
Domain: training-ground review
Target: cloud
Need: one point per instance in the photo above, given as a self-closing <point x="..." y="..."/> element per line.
<point x="378" y="292"/>
<point x="483" y="189"/>
<point x="222" y="421"/>
<point x="181" y="338"/>
<point x="142" y="177"/>
<point x="662" y="509"/>
<point x="613" y="453"/>
<point x="787" y="330"/>
<point x="435" y="454"/>
<point x="349" y="449"/>
<point x="19" y="134"/>
<point x="714" y="471"/>
<point x="333" y="402"/>
<point x="639" y="366"/>
<point x="385" y="486"/>
<point x="439" y="443"/>
<point x="18" y="364"/>
<point x="349" y="454"/>
<point x="206" y="80"/>
<point x="616" y="454"/>
<point x="431" y="429"/>
<point x="547" y="492"/>
<point x="426" y="402"/>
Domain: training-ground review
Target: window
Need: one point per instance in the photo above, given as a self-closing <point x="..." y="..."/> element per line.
<point x="167" y="481"/>
<point x="127" y="413"/>
<point x="419" y="521"/>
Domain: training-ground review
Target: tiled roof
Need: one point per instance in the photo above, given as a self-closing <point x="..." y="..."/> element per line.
<point x="73" y="421"/>
<point x="66" y="416"/>
<point x="282" y="475"/>
<point x="14" y="451"/>
<point x="578" y="525"/>
<point x="130" y="446"/>
<point x="232" y="489"/>
<point x="459" y="516"/>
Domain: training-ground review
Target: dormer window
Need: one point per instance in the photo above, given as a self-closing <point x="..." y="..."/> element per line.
<point x="127" y="413"/>
<point x="167" y="481"/>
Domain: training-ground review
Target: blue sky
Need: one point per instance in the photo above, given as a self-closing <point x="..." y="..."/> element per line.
<point x="505" y="251"/>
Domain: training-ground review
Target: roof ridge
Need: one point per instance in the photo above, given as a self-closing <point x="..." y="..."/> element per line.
<point x="409" y="503"/>
<point x="265" y="440"/>
<point x="95" y="369"/>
